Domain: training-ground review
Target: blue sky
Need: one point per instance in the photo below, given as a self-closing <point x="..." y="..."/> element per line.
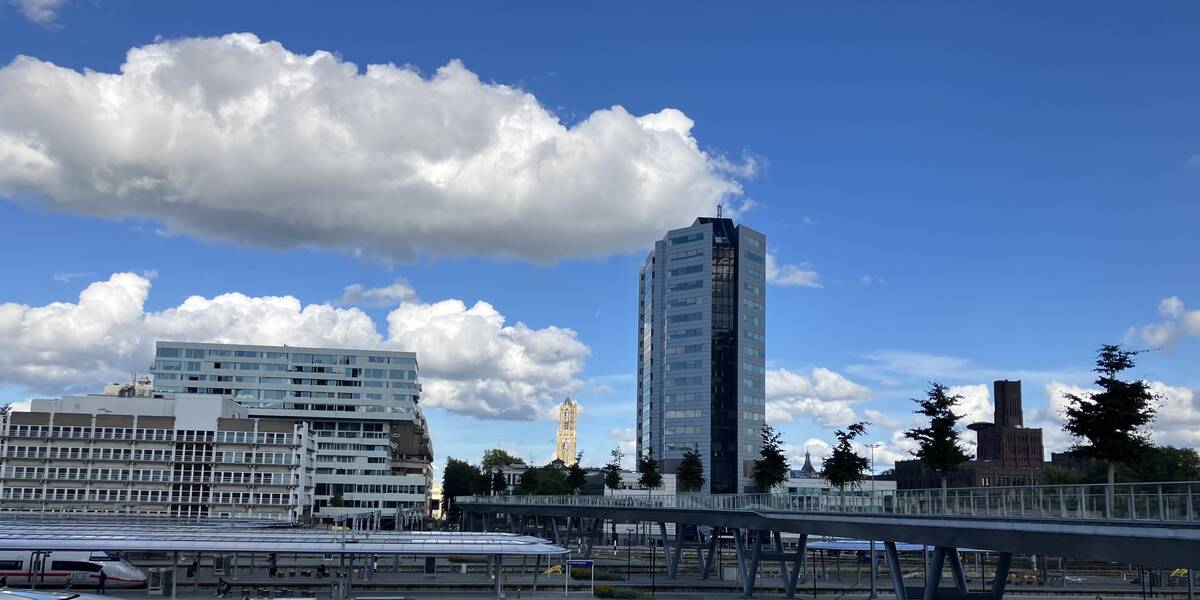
<point x="962" y="191"/>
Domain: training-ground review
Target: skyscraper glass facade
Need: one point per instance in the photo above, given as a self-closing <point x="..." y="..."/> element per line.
<point x="702" y="348"/>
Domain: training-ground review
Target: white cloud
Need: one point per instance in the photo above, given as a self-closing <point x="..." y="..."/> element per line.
<point x="825" y="396"/>
<point x="357" y="295"/>
<point x="42" y="12"/>
<point x="626" y="439"/>
<point x="869" y="280"/>
<point x="472" y="362"/>
<point x="801" y="275"/>
<point x="1179" y="321"/>
<point x="1177" y="421"/>
<point x="67" y="277"/>
<point x="976" y="405"/>
<point x="235" y="139"/>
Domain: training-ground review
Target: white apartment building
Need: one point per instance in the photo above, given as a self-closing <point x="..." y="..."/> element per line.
<point x="186" y="456"/>
<point x="363" y="407"/>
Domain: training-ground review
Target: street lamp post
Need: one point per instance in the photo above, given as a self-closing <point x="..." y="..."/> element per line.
<point x="874" y="560"/>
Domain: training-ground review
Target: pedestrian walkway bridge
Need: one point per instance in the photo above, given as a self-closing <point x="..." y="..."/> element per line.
<point x="1151" y="524"/>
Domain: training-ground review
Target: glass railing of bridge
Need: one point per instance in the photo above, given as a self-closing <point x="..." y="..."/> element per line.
<point x="1165" y="501"/>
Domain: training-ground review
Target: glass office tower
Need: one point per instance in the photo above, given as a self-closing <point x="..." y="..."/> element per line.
<point x="702" y="350"/>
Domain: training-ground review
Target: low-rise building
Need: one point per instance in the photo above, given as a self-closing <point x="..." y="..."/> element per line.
<point x="189" y="455"/>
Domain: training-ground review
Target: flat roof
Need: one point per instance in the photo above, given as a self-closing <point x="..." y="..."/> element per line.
<point x="60" y="533"/>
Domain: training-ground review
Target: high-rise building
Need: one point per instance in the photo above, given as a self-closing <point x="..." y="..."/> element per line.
<point x="564" y="445"/>
<point x="363" y="407"/>
<point x="702" y="348"/>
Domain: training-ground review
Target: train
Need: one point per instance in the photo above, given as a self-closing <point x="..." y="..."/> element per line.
<point x="58" y="568"/>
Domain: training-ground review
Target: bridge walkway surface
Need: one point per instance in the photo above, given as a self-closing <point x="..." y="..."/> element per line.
<point x="1150" y="524"/>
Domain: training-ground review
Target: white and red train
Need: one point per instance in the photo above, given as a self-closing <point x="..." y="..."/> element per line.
<point x="57" y="568"/>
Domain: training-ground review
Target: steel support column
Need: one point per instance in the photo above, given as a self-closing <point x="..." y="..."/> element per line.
<point x="1001" y="575"/>
<point x="956" y="568"/>
<point x="893" y="558"/>
<point x="933" y="578"/>
<point x="706" y="562"/>
<point x="673" y="552"/>
<point x="789" y="582"/>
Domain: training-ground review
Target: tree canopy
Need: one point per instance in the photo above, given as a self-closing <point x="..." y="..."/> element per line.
<point x="1109" y="425"/>
<point x="844" y="467"/>
<point x="460" y="478"/>
<point x="498" y="457"/>
<point x="690" y="474"/>
<point x="650" y="477"/>
<point x="938" y="445"/>
<point x="576" y="476"/>
<point x="612" y="469"/>
<point x="772" y="469"/>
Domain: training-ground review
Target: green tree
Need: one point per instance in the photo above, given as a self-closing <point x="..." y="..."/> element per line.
<point x="527" y="482"/>
<point x="1056" y="475"/>
<point x="650" y="477"/>
<point x="576" y="476"/>
<point x="460" y="478"/>
<point x="1108" y="425"/>
<point x="772" y="469"/>
<point x="551" y="482"/>
<point x="612" y="469"/>
<point x="496" y="458"/>
<point x="844" y="467"/>
<point x="690" y="474"/>
<point x="938" y="446"/>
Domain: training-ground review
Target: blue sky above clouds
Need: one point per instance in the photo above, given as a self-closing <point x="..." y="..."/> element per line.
<point x="952" y="192"/>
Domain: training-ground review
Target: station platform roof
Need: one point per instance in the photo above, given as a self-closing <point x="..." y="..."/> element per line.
<point x="65" y="533"/>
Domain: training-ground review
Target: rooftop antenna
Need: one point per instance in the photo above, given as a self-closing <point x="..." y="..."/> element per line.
<point x="719" y="207"/>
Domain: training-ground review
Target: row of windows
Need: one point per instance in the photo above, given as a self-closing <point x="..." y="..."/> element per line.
<point x="750" y="287"/>
<point x="687" y="285"/>
<point x="325" y="359"/>
<point x="753" y="400"/>
<point x="374" y="504"/>
<point x="352" y="447"/>
<point x="755" y="257"/>
<point x="753" y="368"/>
<point x="684" y="333"/>
<point x="752" y="352"/>
<point x="683" y="381"/>
<point x="694" y="300"/>
<point x="684" y="254"/>
<point x="250" y="437"/>
<point x="755" y="304"/>
<point x="684" y="365"/>
<point x="683" y="446"/>
<point x="753" y="416"/>
<point x="370" y="472"/>
<point x="688" y="270"/>
<point x="752" y="241"/>
<point x="683" y="430"/>
<point x="684" y="239"/>
<point x="259" y="458"/>
<point x="688" y="349"/>
<point x="150" y="475"/>
<point x="677" y="398"/>
<point x="751" y="319"/>
<point x="365" y="408"/>
<point x="754" y="335"/>
<point x="751" y="271"/>
<point x="690" y="413"/>
<point x="327" y="489"/>
<point x="78" y="494"/>
<point x="250" y="498"/>
<point x="685" y="317"/>
<point x="91" y="433"/>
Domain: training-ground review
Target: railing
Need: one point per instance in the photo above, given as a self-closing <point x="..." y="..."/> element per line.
<point x="1168" y="501"/>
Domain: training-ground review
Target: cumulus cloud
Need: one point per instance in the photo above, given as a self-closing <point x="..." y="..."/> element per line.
<point x="472" y="361"/>
<point x="976" y="405"/>
<point x="42" y="12"/>
<point x="801" y="275"/>
<point x="1177" y="421"/>
<point x="1178" y="321"/>
<point x="626" y="439"/>
<point x="356" y="294"/>
<point x="236" y="139"/>
<point x="823" y="395"/>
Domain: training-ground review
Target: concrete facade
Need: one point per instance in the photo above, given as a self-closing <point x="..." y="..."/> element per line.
<point x="363" y="406"/>
<point x="187" y="456"/>
<point x="702" y="350"/>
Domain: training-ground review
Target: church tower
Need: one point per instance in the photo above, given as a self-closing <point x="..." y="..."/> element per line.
<point x="568" y="412"/>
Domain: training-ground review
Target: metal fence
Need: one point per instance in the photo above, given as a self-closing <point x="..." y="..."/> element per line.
<point x="1168" y="501"/>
